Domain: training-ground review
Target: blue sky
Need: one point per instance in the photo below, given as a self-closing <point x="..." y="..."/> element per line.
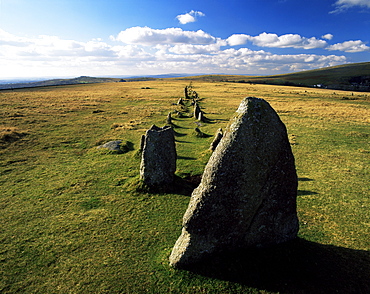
<point x="68" y="38"/>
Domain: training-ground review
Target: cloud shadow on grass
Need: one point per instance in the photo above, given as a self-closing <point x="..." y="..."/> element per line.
<point x="299" y="266"/>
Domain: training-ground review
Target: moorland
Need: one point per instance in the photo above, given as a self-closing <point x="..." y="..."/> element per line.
<point x="73" y="221"/>
<point x="349" y="77"/>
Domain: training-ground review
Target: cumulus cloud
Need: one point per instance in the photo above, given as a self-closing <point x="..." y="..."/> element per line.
<point x="350" y="46"/>
<point x="149" y="36"/>
<point x="238" y="39"/>
<point x="198" y="49"/>
<point x="243" y="60"/>
<point x="145" y="50"/>
<point x="275" y="41"/>
<point x="189" y="17"/>
<point x="327" y="36"/>
<point x="31" y="56"/>
<point x="342" y="5"/>
<point x="12" y="40"/>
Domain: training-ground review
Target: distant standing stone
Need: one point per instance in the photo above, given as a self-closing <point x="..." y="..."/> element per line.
<point x="169" y="119"/>
<point x="158" y="163"/>
<point x="196" y="110"/>
<point x="142" y="143"/>
<point x="186" y="92"/>
<point x="201" y="116"/>
<point x="247" y="196"/>
<point x="218" y="136"/>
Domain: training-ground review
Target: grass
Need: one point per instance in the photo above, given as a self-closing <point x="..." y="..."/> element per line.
<point x="72" y="220"/>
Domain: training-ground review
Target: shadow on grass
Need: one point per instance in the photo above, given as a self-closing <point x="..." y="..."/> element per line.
<point x="180" y="185"/>
<point x="177" y="134"/>
<point x="186" y="157"/>
<point x="305" y="179"/>
<point x="298" y="266"/>
<point x="305" y="193"/>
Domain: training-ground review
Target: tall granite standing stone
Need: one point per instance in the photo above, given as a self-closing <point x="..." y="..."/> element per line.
<point x="158" y="163"/>
<point x="247" y="196"/>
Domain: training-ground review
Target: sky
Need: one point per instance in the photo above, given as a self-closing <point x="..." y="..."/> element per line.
<point x="71" y="38"/>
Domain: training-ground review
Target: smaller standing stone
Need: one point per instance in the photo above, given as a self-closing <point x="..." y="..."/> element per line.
<point x="196" y="110"/>
<point x="199" y="133"/>
<point x="169" y="119"/>
<point x="180" y="101"/>
<point x="158" y="164"/>
<point x="186" y="92"/>
<point x="142" y="143"/>
<point x="218" y="136"/>
<point x="201" y="116"/>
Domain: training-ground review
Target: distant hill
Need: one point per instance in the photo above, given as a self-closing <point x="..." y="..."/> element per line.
<point x="59" y="82"/>
<point x="82" y="80"/>
<point x="354" y="77"/>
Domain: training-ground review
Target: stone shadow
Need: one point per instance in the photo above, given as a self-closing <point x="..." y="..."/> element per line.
<point x="306" y="193"/>
<point x="177" y="134"/>
<point x="299" y="266"/>
<point x="305" y="179"/>
<point x="184" y="185"/>
<point x="185" y="157"/>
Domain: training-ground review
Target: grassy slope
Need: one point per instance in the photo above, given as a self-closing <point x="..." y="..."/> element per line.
<point x="337" y="77"/>
<point x="327" y="76"/>
<point x="71" y="221"/>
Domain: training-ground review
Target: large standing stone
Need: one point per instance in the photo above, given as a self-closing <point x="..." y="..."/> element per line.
<point x="158" y="164"/>
<point x="247" y="196"/>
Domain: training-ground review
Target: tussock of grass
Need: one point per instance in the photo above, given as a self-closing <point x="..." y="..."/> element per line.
<point x="10" y="134"/>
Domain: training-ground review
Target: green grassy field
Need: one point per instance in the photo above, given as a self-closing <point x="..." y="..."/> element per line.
<point x="72" y="220"/>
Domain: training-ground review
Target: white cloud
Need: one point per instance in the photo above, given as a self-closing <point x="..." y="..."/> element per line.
<point x="242" y="60"/>
<point x="146" y="50"/>
<point x="238" y="39"/>
<point x="342" y="5"/>
<point x="275" y="41"/>
<point x="12" y="40"/>
<point x="149" y="36"/>
<point x="198" y="49"/>
<point x="327" y="36"/>
<point x="189" y="17"/>
<point x="185" y="18"/>
<point x="350" y="46"/>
